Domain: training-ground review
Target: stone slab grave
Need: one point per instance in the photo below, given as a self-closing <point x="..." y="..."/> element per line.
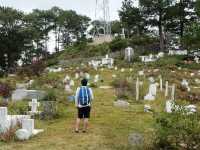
<point x="28" y="130"/>
<point x="55" y="70"/>
<point x="105" y="87"/>
<point x="129" y="53"/>
<point x="121" y="104"/>
<point x="177" y="52"/>
<point x="9" y="121"/>
<point x="20" y="94"/>
<point x="151" y="95"/>
<point x="34" y="104"/>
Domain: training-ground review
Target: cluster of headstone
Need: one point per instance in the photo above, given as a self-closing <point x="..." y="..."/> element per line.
<point x="8" y="122"/>
<point x="178" y="52"/>
<point x="151" y="57"/>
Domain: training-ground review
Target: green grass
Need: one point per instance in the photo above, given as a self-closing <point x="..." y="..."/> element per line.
<point x="109" y="126"/>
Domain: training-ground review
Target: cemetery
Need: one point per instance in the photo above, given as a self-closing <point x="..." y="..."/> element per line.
<point x="146" y="89"/>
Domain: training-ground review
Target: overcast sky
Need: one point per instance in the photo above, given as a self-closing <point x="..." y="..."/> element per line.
<point x="86" y="7"/>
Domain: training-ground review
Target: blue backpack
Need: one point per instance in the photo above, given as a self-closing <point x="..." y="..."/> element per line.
<point x="84" y="97"/>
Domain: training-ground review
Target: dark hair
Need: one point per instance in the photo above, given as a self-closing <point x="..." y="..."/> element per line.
<point x="84" y="82"/>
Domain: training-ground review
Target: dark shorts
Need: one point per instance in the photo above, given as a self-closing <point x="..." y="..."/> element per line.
<point x="84" y="112"/>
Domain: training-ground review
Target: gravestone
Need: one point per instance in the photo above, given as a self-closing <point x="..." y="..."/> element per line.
<point x="76" y="76"/>
<point x="96" y="78"/>
<point x="185" y="84"/>
<point x="71" y="83"/>
<point x="129" y="53"/>
<point x="136" y="139"/>
<point x="152" y="90"/>
<point x="27" y="130"/>
<point x="147" y="108"/>
<point x="166" y="88"/>
<point x="34" y="106"/>
<point x="49" y="110"/>
<point x="161" y="84"/>
<point x="87" y="76"/>
<point x="121" y="104"/>
<point x="196" y="59"/>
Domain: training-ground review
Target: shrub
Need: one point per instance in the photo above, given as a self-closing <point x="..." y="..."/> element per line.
<point x="177" y="131"/>
<point x="118" y="44"/>
<point x="9" y="135"/>
<point x="35" y="69"/>
<point x="5" y="90"/>
<point x="51" y="96"/>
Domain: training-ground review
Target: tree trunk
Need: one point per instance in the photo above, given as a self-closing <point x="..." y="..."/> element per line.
<point x="161" y="33"/>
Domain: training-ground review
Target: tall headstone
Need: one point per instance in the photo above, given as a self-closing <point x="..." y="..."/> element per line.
<point x="129" y="53"/>
<point x="161" y="84"/>
<point x="173" y="92"/>
<point x="166" y="88"/>
<point x="34" y="106"/>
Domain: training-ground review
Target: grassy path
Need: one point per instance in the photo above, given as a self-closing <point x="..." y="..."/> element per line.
<point x="109" y="128"/>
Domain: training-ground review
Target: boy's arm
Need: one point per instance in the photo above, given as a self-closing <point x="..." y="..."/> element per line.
<point x="91" y="93"/>
<point x="76" y="97"/>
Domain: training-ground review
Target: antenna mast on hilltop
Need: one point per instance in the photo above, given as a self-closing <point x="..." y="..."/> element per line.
<point x="102" y="14"/>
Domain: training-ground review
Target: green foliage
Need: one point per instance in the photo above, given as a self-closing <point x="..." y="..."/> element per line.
<point x="118" y="44"/>
<point x="35" y="69"/>
<point x="51" y="96"/>
<point x="192" y="36"/>
<point x="177" y="131"/>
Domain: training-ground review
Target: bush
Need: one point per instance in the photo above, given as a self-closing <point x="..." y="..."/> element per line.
<point x="177" y="131"/>
<point x="35" y="69"/>
<point x="51" y="96"/>
<point x="5" y="90"/>
<point x="118" y="44"/>
<point x="9" y="135"/>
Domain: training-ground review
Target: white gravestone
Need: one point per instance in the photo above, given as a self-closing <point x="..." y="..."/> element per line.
<point x="185" y="84"/>
<point x="76" y="76"/>
<point x="129" y="53"/>
<point x="71" y="83"/>
<point x="161" y="84"/>
<point x="96" y="78"/>
<point x="34" y="106"/>
<point x="152" y="90"/>
<point x="166" y="88"/>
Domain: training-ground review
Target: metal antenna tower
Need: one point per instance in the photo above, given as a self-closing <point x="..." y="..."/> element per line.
<point x="102" y="14"/>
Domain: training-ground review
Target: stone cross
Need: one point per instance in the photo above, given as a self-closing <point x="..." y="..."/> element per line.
<point x="34" y="105"/>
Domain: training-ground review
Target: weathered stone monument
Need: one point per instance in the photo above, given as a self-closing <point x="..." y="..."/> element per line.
<point x="129" y="53"/>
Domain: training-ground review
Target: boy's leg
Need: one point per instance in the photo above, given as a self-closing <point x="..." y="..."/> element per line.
<point x="86" y="118"/>
<point x="85" y="124"/>
<point x="78" y="120"/>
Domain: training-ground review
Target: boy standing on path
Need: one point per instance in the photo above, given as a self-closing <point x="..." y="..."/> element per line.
<point x="83" y="98"/>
